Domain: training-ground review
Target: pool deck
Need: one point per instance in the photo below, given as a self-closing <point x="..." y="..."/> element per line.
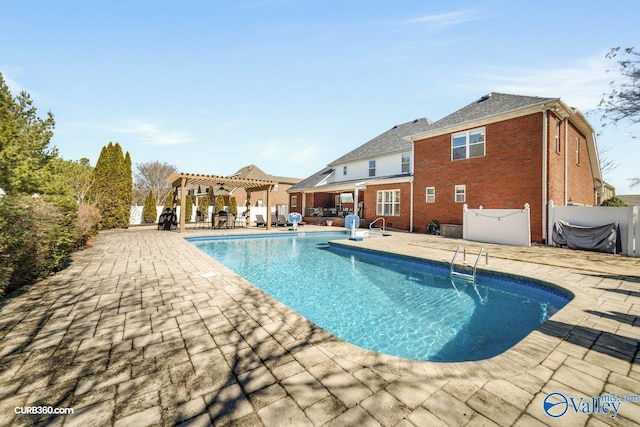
<point x="144" y="329"/>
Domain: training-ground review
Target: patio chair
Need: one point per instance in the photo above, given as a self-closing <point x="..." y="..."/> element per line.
<point x="260" y="222"/>
<point x="167" y="220"/>
<point x="279" y="221"/>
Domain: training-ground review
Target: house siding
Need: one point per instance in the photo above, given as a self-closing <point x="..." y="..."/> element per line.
<point x="508" y="176"/>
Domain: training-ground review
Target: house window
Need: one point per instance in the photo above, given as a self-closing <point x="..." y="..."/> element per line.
<point x="461" y="193"/>
<point x="465" y="145"/>
<point x="406" y="163"/>
<point x="557" y="136"/>
<point x="294" y="201"/>
<point x="344" y="170"/>
<point x="388" y="203"/>
<point x="577" y="151"/>
<point x="372" y="168"/>
<point x="431" y="194"/>
<point x="276" y="187"/>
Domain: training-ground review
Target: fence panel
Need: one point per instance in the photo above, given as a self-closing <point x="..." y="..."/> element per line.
<point x="593" y="216"/>
<point x="502" y="226"/>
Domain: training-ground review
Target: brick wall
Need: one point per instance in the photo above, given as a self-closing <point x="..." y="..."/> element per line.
<point x="508" y="176"/>
<point x="401" y="222"/>
<point x="579" y="177"/>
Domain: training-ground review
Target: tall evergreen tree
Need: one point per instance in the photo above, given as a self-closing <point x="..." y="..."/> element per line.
<point x="149" y="212"/>
<point x="112" y="188"/>
<point x="24" y="143"/>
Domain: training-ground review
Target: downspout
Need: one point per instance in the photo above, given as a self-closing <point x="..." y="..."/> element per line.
<point x="411" y="207"/>
<point x="544" y="174"/>
<point x="566" y="161"/>
<point x="413" y="151"/>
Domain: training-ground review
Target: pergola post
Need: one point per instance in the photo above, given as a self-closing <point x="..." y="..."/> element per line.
<point x="183" y="201"/>
<point x="268" y="224"/>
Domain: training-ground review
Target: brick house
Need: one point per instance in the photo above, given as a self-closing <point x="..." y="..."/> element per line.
<point x="367" y="180"/>
<point x="279" y="198"/>
<point x="503" y="151"/>
<point x="500" y="151"/>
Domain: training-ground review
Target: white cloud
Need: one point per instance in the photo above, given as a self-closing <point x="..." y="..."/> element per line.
<point x="446" y="19"/>
<point x="150" y="133"/>
<point x="580" y="85"/>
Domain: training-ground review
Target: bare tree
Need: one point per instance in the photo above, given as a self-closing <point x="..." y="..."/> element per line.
<point x="152" y="176"/>
<point x="622" y="103"/>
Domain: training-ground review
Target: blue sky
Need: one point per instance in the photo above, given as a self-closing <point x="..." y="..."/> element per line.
<point x="288" y="85"/>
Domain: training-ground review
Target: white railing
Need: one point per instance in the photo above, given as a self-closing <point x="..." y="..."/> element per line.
<point x="377" y="228"/>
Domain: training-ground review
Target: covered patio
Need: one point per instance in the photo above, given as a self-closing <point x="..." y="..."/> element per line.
<point x="182" y="181"/>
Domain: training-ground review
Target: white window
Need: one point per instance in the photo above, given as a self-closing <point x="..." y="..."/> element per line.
<point x="294" y="201"/>
<point x="372" y="168"/>
<point x="276" y="187"/>
<point x="388" y="203"/>
<point x="461" y="193"/>
<point x="431" y="194"/>
<point x="465" y="145"/>
<point x="577" y="151"/>
<point x="557" y="136"/>
<point x="406" y="163"/>
<point x="344" y="170"/>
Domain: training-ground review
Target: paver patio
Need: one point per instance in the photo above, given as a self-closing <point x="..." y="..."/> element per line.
<point x="144" y="329"/>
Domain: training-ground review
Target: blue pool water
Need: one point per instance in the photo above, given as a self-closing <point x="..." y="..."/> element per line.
<point x="391" y="305"/>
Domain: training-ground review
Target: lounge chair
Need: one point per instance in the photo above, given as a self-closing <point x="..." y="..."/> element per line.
<point x="260" y="222"/>
<point x="280" y="221"/>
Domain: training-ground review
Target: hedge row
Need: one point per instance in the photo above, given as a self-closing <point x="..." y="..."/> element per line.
<point x="37" y="237"/>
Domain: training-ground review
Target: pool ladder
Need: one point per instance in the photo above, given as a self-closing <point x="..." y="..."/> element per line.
<point x="471" y="277"/>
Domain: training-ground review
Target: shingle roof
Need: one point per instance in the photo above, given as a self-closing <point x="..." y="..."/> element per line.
<point x="312" y="180"/>
<point x="489" y="105"/>
<point x="254" y="172"/>
<point x="387" y="142"/>
<point x="390" y="141"/>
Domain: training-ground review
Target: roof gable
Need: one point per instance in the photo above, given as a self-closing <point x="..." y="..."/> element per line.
<point x="387" y="142"/>
<point x="254" y="172"/>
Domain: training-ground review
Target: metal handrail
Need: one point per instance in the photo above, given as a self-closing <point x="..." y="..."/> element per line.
<point x="376" y="220"/>
<point x="475" y="264"/>
<point x="453" y="260"/>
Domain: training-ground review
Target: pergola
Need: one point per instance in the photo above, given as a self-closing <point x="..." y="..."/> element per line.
<point x="183" y="180"/>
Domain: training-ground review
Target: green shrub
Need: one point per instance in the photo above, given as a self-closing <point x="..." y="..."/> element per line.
<point x="149" y="211"/>
<point x="188" y="209"/>
<point x="86" y="225"/>
<point x="219" y="203"/>
<point x="203" y="205"/>
<point x="233" y="205"/>
<point x="36" y="238"/>
<point x="614" y="201"/>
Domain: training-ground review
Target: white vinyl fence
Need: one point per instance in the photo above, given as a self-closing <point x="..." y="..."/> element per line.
<point x="628" y="219"/>
<point x="502" y="226"/>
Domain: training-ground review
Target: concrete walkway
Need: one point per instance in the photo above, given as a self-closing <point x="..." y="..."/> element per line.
<point x="144" y="329"/>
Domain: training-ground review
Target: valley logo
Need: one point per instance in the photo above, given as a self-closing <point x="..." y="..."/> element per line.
<point x="557" y="404"/>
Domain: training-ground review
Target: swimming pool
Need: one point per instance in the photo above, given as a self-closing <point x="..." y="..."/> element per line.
<point x="392" y="305"/>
